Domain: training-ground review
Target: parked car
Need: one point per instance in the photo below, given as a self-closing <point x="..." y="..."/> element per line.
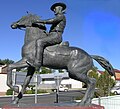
<point x="115" y="90"/>
<point x="63" y="88"/>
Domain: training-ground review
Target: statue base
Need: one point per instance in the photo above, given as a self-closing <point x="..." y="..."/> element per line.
<point x="52" y="106"/>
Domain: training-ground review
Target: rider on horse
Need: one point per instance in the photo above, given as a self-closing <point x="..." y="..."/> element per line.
<point x="54" y="35"/>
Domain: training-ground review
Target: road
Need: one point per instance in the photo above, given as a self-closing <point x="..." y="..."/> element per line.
<point x="45" y="99"/>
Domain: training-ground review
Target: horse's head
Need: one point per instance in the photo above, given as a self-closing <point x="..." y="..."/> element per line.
<point x="27" y="21"/>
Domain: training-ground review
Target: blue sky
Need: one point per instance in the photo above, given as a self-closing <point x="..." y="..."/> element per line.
<point x="93" y="25"/>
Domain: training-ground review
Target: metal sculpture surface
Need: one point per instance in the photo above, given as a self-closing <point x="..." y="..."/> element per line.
<point x="60" y="56"/>
<point x="54" y="35"/>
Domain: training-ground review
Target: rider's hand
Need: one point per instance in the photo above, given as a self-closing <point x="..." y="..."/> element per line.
<point x="41" y="21"/>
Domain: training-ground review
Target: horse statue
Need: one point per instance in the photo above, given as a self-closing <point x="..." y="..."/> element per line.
<point x="61" y="56"/>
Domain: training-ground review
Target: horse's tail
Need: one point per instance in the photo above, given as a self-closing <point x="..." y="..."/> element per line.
<point x="105" y="64"/>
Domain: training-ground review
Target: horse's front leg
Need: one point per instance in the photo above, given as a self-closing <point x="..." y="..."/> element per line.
<point x="29" y="75"/>
<point x="20" y="64"/>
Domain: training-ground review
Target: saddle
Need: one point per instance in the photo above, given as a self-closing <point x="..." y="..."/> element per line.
<point x="58" y="48"/>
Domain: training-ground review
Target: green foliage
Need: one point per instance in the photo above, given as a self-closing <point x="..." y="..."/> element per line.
<point x="45" y="70"/>
<point x="93" y="73"/>
<point x="104" y="82"/>
<point x="29" y="92"/>
<point x="6" y="61"/>
<point x="42" y="91"/>
<point x="9" y="92"/>
<point x="33" y="91"/>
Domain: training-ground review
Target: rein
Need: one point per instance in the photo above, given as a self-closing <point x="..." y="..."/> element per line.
<point x="21" y="28"/>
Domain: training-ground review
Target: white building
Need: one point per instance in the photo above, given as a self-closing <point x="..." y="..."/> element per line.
<point x="48" y="80"/>
<point x="3" y="78"/>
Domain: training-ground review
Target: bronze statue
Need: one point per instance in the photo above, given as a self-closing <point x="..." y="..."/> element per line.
<point x="54" y="35"/>
<point x="75" y="60"/>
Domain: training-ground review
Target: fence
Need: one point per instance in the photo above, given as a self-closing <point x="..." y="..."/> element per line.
<point x="110" y="102"/>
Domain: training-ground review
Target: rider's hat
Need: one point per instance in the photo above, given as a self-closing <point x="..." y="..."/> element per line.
<point x="58" y="4"/>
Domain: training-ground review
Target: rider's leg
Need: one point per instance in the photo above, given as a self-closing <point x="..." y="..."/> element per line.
<point x="52" y="39"/>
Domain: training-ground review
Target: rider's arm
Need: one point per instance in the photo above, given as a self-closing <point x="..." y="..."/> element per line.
<point x="53" y="20"/>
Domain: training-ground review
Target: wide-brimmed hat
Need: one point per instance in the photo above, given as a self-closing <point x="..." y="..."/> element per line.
<point x="58" y="4"/>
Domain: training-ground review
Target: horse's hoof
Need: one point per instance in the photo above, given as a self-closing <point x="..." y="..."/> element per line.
<point x="16" y="89"/>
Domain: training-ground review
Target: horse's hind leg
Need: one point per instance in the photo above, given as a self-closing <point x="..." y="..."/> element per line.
<point x="90" y="82"/>
<point x="20" y="64"/>
<point x="79" y="72"/>
<point x="87" y="99"/>
<point x="29" y="75"/>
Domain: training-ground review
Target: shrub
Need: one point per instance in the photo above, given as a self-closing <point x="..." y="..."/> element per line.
<point x="29" y="92"/>
<point x="42" y="91"/>
<point x="9" y="92"/>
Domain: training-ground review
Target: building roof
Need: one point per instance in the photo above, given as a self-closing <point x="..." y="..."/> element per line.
<point x="117" y="73"/>
<point x="101" y="72"/>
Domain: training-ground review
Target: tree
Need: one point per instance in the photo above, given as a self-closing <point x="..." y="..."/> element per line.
<point x="6" y="61"/>
<point x="93" y="73"/>
<point x="105" y="82"/>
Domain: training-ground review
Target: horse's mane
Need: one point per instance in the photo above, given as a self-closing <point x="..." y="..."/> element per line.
<point x="31" y="18"/>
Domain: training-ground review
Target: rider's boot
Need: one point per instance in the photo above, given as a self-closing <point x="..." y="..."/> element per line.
<point x="35" y="63"/>
<point x="39" y="55"/>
